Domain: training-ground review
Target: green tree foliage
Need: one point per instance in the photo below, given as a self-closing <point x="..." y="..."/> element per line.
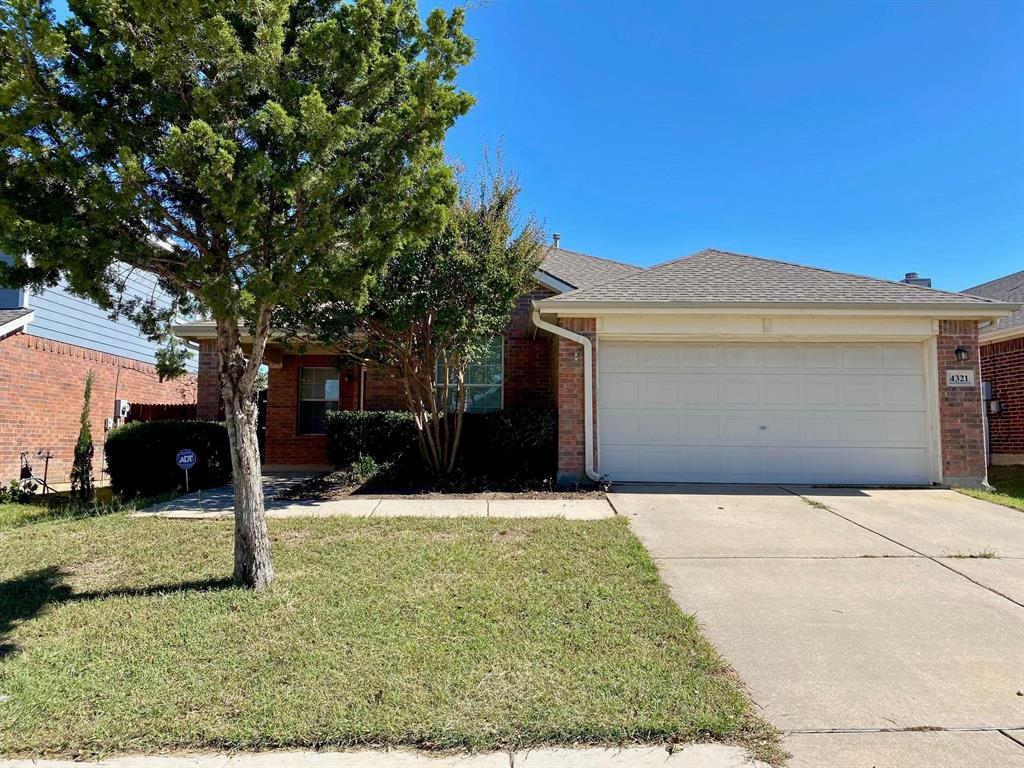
<point x="248" y="153"/>
<point x="82" y="491"/>
<point x="438" y="307"/>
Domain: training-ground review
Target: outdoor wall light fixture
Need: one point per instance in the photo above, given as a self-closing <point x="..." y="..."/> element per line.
<point x="962" y="353"/>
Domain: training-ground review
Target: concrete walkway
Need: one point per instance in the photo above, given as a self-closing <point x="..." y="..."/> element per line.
<point x="218" y="503"/>
<point x="693" y="756"/>
<point x="873" y="627"/>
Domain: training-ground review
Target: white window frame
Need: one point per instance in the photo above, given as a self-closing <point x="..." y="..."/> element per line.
<point x="300" y="399"/>
<point x="438" y="383"/>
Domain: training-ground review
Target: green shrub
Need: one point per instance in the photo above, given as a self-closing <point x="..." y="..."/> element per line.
<point x="141" y="456"/>
<point x="514" y="443"/>
<point x="380" y="435"/>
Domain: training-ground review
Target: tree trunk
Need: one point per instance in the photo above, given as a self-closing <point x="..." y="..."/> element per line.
<point x="253" y="568"/>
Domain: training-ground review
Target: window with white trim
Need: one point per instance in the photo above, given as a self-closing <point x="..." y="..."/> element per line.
<point x="485" y="378"/>
<point x="318" y="394"/>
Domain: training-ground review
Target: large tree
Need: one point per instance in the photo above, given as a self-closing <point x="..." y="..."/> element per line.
<point x="438" y="307"/>
<point x="248" y="153"/>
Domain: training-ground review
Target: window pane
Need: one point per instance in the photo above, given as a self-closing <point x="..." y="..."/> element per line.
<point x="483" y="399"/>
<point x="476" y="374"/>
<point x="311" y="415"/>
<point x="331" y="389"/>
<point x="318" y="384"/>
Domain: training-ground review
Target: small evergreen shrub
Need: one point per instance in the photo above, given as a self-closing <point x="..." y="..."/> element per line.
<point x="141" y="456"/>
<point x="517" y="443"/>
<point x="379" y="435"/>
<point x="82" y="491"/>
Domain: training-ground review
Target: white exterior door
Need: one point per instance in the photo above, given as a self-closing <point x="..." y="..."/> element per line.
<point x="763" y="413"/>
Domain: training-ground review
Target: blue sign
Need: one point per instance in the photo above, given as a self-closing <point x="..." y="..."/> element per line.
<point x="185" y="459"/>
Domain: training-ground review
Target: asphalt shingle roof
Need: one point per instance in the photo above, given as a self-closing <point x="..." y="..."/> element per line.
<point x="582" y="271"/>
<point x="1009" y="288"/>
<point x="10" y="315"/>
<point x="713" y="277"/>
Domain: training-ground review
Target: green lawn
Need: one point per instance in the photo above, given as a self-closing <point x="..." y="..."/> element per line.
<point x="59" y="507"/>
<point x="1009" y="487"/>
<point x="120" y="634"/>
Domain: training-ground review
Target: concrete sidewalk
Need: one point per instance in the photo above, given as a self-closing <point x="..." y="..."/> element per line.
<point x="692" y="756"/>
<point x="217" y="503"/>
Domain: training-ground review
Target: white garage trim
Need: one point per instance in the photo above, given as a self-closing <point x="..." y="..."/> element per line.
<point x="837" y="412"/>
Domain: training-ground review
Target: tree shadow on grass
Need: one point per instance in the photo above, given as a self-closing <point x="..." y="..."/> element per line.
<point x="24" y="597"/>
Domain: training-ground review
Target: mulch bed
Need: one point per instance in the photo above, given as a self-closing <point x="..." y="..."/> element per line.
<point x="407" y="480"/>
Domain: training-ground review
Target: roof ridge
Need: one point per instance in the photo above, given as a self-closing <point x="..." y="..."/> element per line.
<point x="828" y="271"/>
<point x="596" y="258"/>
<point x="1012" y="275"/>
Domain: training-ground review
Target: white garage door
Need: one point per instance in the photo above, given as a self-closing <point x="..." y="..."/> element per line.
<point x="762" y="413"/>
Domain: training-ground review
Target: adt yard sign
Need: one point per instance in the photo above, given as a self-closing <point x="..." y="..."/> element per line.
<point x="186" y="459"/>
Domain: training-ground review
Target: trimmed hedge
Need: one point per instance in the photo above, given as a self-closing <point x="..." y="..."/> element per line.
<point x="382" y="435"/>
<point x="141" y="456"/>
<point x="515" y="443"/>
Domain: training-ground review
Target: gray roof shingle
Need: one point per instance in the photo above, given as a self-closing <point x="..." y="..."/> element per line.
<point x="10" y="315"/>
<point x="582" y="271"/>
<point x="721" y="277"/>
<point x="1009" y="288"/>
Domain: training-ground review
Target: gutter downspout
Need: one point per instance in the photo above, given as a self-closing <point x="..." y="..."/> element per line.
<point x="588" y="387"/>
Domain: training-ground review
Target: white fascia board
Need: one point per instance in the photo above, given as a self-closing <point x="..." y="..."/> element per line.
<point x="1004" y="335"/>
<point x="17" y="324"/>
<point x="954" y="311"/>
<point x="552" y="282"/>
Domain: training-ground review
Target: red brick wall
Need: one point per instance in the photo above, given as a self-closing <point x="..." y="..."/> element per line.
<point x="284" y="445"/>
<point x="42" y="384"/>
<point x="1002" y="364"/>
<point x="209" y="406"/>
<point x="568" y="370"/>
<point x="383" y="393"/>
<point x="527" y="358"/>
<point x="960" y="414"/>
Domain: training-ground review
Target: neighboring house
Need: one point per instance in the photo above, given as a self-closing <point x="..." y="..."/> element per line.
<point x="1002" y="366"/>
<point x="716" y="367"/>
<point x="49" y="341"/>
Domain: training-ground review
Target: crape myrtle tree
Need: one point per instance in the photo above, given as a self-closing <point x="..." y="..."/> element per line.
<point x="248" y="153"/>
<point x="437" y="307"/>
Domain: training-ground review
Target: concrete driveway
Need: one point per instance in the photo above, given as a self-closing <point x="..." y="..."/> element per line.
<point x="874" y="627"/>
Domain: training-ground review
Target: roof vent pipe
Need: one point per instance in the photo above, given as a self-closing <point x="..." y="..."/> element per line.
<point x="913" y="278"/>
<point x="556" y="239"/>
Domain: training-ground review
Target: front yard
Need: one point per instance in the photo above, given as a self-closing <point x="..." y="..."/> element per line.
<point x="1008" y="483"/>
<point x="120" y="634"/>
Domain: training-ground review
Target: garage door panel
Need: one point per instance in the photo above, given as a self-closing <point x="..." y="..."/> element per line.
<point x="870" y="393"/>
<point x="739" y="390"/>
<point x="826" y="413"/>
<point x="904" y="393"/>
<point x="659" y="356"/>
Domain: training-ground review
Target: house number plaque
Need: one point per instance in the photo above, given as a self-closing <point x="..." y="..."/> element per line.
<point x="960" y="378"/>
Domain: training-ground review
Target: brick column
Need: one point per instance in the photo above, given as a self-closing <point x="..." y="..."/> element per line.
<point x="208" y="402"/>
<point x="568" y="377"/>
<point x="960" y="414"/>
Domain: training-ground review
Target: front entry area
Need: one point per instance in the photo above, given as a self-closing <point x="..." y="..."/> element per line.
<point x="821" y="412"/>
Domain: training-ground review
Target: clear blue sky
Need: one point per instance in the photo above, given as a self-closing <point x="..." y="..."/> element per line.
<point x="868" y="137"/>
<point x="871" y="137"/>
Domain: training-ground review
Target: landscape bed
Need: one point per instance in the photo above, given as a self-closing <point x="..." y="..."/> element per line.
<point x="120" y="634"/>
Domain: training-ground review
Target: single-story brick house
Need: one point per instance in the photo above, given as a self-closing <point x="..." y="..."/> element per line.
<point x="717" y="367"/>
<point x="1002" y="366"/>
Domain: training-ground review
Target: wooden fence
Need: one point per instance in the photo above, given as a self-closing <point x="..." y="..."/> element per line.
<point x="162" y="412"/>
